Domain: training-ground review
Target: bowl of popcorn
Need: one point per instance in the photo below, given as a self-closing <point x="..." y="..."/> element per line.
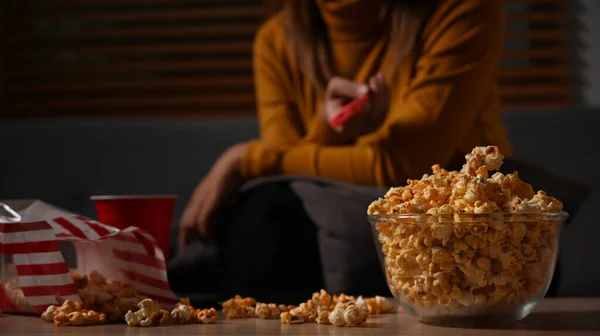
<point x="469" y="247"/>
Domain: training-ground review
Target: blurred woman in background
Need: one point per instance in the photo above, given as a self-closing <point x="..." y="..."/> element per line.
<point x="430" y="68"/>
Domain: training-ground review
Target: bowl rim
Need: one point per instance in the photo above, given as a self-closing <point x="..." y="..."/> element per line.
<point x="484" y="216"/>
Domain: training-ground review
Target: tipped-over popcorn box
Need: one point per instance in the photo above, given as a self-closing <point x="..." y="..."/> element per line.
<point x="41" y="244"/>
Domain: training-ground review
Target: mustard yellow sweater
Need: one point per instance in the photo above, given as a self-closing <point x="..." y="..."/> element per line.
<point x="450" y="103"/>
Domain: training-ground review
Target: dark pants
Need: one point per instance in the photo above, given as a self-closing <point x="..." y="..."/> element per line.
<point x="266" y="248"/>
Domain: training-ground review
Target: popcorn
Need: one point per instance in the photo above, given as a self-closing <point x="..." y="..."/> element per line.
<point x="162" y="317"/>
<point x="318" y="309"/>
<point x="111" y="297"/>
<point x="286" y="318"/>
<point x="263" y="311"/>
<point x="48" y="315"/>
<point x="323" y="317"/>
<point x="144" y="316"/>
<point x="246" y="302"/>
<point x="182" y="313"/>
<point x="336" y="317"/>
<point x="354" y="316"/>
<point x="238" y="308"/>
<point x="383" y="305"/>
<point x="480" y="239"/>
<point x="207" y="316"/>
<point x="71" y="313"/>
<point x="119" y="302"/>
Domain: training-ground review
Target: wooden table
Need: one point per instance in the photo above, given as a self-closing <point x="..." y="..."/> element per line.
<point x="552" y="317"/>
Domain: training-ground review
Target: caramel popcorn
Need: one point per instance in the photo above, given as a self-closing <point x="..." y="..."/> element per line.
<point x="71" y="313"/>
<point x="112" y="301"/>
<point x="471" y="238"/>
<point x="237" y="307"/>
<point x="162" y="317"/>
<point x="286" y="318"/>
<point x="111" y="297"/>
<point x="208" y="316"/>
<point x="323" y="317"/>
<point x="245" y="302"/>
<point x="342" y="310"/>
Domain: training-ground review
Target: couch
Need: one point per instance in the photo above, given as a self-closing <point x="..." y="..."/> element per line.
<point x="65" y="161"/>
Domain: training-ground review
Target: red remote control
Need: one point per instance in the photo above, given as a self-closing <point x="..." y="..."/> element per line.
<point x="349" y="111"/>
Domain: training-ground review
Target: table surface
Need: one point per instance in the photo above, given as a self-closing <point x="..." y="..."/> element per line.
<point x="578" y="316"/>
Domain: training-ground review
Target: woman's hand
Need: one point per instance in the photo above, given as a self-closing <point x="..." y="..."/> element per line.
<point x="223" y="179"/>
<point x="341" y="91"/>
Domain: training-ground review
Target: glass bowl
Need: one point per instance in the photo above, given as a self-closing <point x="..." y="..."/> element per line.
<point x="468" y="269"/>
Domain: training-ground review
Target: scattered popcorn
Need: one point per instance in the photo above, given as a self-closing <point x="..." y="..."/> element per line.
<point x="71" y="313"/>
<point x="111" y="297"/>
<point x="480" y="240"/>
<point x="111" y="301"/>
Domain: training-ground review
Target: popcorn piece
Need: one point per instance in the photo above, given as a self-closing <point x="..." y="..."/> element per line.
<point x="341" y="305"/>
<point x="247" y="302"/>
<point x="323" y="317"/>
<point x="61" y="318"/>
<point x="182" y="313"/>
<point x="263" y="311"/>
<point x="134" y="319"/>
<point x="89" y="317"/>
<point x="238" y="307"/>
<point x="323" y="298"/>
<point x="162" y="317"/>
<point x="384" y="305"/>
<point x="354" y="316"/>
<point x="336" y="317"/>
<point x="208" y="316"/>
<point x="362" y="304"/>
<point x="286" y="318"/>
<point x="49" y="314"/>
<point x="148" y="309"/>
<point x="301" y="313"/>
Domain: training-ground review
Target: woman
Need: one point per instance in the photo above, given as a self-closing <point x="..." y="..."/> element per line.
<point x="430" y="68"/>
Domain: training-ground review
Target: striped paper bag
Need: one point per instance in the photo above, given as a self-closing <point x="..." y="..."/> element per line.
<point x="33" y="271"/>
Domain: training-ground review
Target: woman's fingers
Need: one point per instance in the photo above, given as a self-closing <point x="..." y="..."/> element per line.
<point x="341" y="87"/>
<point x="380" y="95"/>
<point x="377" y="83"/>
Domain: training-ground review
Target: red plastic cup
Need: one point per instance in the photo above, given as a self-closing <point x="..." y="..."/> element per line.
<point x="151" y="213"/>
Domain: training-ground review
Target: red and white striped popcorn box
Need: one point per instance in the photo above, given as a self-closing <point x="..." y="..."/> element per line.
<point x="33" y="271"/>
